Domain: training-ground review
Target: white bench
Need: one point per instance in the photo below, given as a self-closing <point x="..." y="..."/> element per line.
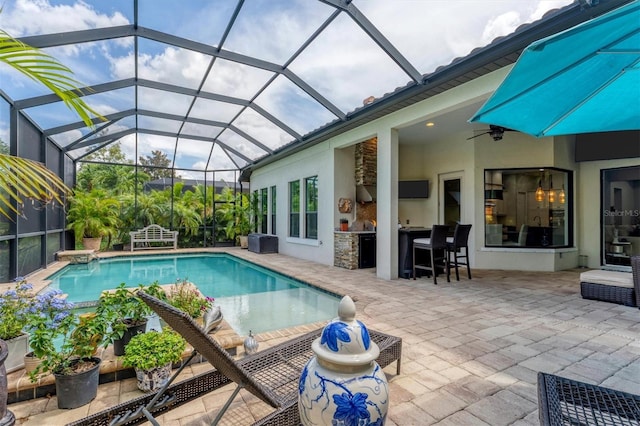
<point x="153" y="234"/>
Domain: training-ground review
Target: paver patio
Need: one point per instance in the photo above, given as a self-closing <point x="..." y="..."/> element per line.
<point x="471" y="349"/>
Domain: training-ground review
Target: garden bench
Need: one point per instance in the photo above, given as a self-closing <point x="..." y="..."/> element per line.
<point x="153" y="234"/>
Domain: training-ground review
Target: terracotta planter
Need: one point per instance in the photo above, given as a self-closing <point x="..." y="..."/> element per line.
<point x="18" y="347"/>
<point x="92" y="243"/>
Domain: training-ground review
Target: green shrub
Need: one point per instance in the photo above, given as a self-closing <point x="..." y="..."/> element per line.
<point x="153" y="349"/>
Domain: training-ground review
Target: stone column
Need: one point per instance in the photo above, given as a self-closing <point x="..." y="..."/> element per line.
<point x="6" y="417"/>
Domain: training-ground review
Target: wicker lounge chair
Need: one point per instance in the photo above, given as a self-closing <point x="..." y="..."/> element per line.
<point x="563" y="401"/>
<point x="271" y="375"/>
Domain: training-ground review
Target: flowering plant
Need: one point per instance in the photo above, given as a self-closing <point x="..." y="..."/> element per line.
<point x="50" y="318"/>
<point x="15" y="305"/>
<point x="186" y="297"/>
<point x="121" y="308"/>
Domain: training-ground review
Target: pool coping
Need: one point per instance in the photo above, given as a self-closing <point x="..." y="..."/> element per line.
<point x="20" y="387"/>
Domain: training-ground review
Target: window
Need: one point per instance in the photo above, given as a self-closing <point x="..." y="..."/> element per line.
<point x="528" y="208"/>
<point x="264" y="205"/>
<point x="273" y="209"/>
<point x="294" y="208"/>
<point x="620" y="215"/>
<point x="311" y="207"/>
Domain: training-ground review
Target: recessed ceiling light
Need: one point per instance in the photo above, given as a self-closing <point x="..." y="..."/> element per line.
<point x="430" y="124"/>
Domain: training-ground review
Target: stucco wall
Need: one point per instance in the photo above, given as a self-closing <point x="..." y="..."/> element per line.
<point x="332" y="161"/>
<point x="316" y="161"/>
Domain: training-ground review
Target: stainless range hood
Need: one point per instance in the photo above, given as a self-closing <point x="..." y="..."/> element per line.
<point x="365" y="193"/>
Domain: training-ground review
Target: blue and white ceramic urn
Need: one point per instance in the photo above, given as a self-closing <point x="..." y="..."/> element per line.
<point x="342" y="384"/>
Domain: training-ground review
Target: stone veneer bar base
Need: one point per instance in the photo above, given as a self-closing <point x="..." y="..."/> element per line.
<point x="345" y="250"/>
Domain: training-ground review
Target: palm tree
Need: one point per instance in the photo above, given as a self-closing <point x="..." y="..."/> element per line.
<point x="94" y="215"/>
<point x="22" y="178"/>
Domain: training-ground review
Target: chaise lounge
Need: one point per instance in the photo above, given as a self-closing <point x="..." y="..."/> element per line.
<point x="271" y="375"/>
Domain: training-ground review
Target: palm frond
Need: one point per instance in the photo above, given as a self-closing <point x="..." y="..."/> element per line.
<point x="48" y="71"/>
<point x="22" y="178"/>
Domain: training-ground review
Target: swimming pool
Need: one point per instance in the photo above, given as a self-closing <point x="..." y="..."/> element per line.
<point x="251" y="297"/>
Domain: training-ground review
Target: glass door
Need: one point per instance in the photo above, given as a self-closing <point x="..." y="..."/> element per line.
<point x="620" y="220"/>
<point x="451" y="199"/>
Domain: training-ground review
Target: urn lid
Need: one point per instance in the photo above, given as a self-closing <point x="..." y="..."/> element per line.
<point x="345" y="340"/>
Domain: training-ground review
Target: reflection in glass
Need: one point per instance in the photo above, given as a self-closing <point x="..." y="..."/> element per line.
<point x="311" y="207"/>
<point x="620" y="215"/>
<point x="294" y="208"/>
<point x="53" y="245"/>
<point x="5" y="261"/>
<point x="528" y="208"/>
<point x="29" y="255"/>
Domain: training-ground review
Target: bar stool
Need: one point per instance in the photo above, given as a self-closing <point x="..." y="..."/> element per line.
<point x="455" y="245"/>
<point x="437" y="247"/>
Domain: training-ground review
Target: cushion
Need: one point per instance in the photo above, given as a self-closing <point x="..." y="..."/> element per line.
<point x="425" y="241"/>
<point x="615" y="278"/>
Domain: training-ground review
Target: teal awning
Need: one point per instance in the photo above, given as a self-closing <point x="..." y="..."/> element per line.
<point x="585" y="79"/>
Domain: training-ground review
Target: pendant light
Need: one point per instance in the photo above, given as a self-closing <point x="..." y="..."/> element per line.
<point x="562" y="198"/>
<point x="552" y="193"/>
<point x="540" y="192"/>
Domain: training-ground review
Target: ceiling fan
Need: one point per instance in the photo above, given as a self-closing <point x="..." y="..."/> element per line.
<point x="494" y="131"/>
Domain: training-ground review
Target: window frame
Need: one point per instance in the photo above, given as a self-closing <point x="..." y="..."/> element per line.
<point x="293" y="230"/>
<point x="311" y="198"/>
<point x="558" y="215"/>
<point x="263" y="224"/>
<point x="273" y="208"/>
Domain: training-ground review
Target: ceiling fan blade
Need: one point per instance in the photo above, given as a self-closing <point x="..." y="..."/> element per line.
<point x="479" y="134"/>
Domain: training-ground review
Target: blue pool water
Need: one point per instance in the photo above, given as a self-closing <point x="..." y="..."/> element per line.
<point x="251" y="297"/>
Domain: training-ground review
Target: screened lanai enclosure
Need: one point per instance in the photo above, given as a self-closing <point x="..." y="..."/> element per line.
<point x="190" y="93"/>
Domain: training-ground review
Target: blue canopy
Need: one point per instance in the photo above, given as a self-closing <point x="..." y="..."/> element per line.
<point x="585" y="79"/>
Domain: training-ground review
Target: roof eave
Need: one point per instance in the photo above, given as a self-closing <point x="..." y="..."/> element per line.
<point x="501" y="52"/>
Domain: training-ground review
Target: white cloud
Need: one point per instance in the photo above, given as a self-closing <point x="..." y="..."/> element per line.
<point x="18" y="17"/>
<point x="343" y="64"/>
<point x="175" y="66"/>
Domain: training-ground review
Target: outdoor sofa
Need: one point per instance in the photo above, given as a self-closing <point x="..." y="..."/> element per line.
<point x="613" y="286"/>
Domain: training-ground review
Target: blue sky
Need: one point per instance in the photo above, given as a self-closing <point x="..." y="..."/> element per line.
<point x="342" y="63"/>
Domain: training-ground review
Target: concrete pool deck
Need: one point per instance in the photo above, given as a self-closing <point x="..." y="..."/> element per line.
<point x="471" y="348"/>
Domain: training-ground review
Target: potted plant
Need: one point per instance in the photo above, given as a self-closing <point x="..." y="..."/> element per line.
<point x="72" y="362"/>
<point x="152" y="355"/>
<point x="236" y="214"/>
<point x="93" y="215"/>
<point x="15" y="305"/>
<point x="186" y="297"/>
<point x="126" y="312"/>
